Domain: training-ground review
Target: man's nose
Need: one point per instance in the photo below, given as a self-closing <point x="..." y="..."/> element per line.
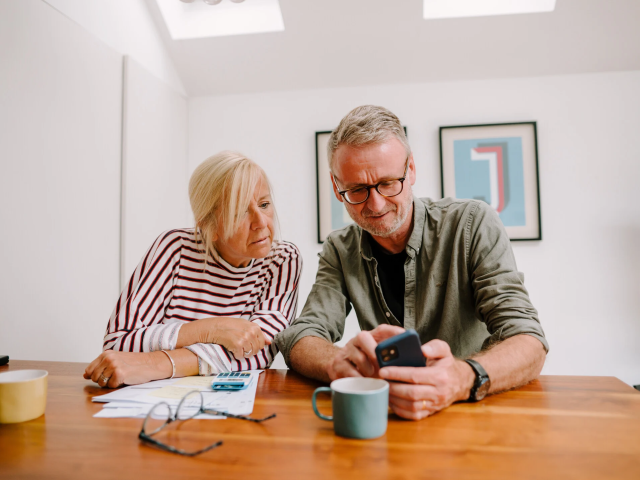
<point x="375" y="202"/>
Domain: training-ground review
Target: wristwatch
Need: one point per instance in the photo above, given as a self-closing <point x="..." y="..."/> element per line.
<point x="482" y="383"/>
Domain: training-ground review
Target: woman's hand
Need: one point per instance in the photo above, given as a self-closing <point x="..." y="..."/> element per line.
<point x="241" y="337"/>
<point x="112" y="369"/>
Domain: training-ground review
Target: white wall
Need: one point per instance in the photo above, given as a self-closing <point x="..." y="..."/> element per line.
<point x="154" y="161"/>
<point x="65" y="128"/>
<point x="60" y="121"/>
<point x="127" y="27"/>
<point x="582" y="277"/>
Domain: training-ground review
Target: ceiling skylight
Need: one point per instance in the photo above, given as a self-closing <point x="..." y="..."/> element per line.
<point x="480" y="8"/>
<point x="199" y="20"/>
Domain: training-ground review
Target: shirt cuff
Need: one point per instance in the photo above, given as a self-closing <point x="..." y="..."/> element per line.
<point x="500" y="336"/>
<point x="286" y="340"/>
<point x="161" y="337"/>
<point x="211" y="358"/>
<point x="270" y="322"/>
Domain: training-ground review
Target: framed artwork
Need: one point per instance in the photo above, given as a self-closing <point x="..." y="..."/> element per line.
<point x="331" y="212"/>
<point x="498" y="164"/>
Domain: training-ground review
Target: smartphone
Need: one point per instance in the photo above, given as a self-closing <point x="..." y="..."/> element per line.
<point x="4" y="359"/>
<point x="401" y="351"/>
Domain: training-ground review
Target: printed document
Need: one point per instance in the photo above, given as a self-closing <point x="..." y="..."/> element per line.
<point x="136" y="401"/>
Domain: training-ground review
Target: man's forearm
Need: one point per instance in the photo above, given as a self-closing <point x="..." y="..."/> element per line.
<point x="311" y="357"/>
<point x="513" y="362"/>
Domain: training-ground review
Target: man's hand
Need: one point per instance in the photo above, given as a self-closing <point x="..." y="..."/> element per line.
<point x="513" y="362"/>
<point x="358" y="357"/>
<point x="427" y="390"/>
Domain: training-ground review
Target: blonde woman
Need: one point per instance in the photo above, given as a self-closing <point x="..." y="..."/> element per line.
<point x="208" y="299"/>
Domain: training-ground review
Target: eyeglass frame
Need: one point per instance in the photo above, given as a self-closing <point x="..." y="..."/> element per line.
<point x="342" y="193"/>
<point x="146" y="437"/>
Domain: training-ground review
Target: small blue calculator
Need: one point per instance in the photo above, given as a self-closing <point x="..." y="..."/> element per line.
<point x="231" y="381"/>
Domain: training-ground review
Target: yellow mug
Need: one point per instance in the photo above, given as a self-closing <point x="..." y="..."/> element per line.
<point x="23" y="395"/>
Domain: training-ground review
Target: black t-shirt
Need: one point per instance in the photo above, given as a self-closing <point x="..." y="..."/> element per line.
<point x="391" y="275"/>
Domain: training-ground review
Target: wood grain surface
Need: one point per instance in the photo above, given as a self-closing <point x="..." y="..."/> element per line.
<point x="555" y="427"/>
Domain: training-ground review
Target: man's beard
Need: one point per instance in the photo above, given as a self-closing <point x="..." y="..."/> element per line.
<point x="383" y="231"/>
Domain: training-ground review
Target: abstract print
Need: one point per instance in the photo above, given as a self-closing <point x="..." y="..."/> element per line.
<point x="492" y="170"/>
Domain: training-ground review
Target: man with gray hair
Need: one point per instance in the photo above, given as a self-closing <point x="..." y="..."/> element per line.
<point x="445" y="269"/>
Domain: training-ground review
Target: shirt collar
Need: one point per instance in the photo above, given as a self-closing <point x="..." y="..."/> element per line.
<point x="365" y="246"/>
<point x="419" y="217"/>
<point x="415" y="239"/>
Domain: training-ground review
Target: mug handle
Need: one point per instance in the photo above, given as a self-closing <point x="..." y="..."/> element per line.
<point x="315" y="407"/>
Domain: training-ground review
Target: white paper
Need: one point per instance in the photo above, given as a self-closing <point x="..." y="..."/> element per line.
<point x="122" y="412"/>
<point x="136" y="401"/>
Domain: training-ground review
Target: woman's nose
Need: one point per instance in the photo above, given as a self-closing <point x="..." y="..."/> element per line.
<point x="259" y="220"/>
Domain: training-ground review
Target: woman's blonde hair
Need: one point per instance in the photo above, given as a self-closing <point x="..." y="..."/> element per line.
<point x="220" y="191"/>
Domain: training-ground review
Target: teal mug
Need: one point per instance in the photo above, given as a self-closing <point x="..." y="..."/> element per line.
<point x="360" y="406"/>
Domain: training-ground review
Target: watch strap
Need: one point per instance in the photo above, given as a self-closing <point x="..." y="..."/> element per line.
<point x="481" y="377"/>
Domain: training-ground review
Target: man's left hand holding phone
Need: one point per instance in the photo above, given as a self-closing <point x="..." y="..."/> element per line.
<point x="414" y="392"/>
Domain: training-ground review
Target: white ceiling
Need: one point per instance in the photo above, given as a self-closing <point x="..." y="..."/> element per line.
<point x="339" y="43"/>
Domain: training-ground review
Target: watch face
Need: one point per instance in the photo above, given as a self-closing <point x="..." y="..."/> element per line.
<point x="483" y="389"/>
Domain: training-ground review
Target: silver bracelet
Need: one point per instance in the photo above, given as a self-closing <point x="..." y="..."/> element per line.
<point x="173" y="364"/>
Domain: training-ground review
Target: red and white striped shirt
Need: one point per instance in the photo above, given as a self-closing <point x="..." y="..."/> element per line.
<point x="171" y="287"/>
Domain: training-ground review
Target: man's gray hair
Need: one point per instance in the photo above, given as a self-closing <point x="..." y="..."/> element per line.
<point x="366" y="125"/>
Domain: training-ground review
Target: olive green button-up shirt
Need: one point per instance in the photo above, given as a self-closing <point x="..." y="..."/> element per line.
<point x="461" y="282"/>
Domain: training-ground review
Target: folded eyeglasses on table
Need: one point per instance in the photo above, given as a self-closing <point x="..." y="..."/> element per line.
<point x="191" y="405"/>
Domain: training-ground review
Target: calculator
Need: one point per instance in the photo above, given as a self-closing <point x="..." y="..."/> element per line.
<point x="231" y="381"/>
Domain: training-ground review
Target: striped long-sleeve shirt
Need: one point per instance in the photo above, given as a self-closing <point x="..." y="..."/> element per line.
<point x="171" y="287"/>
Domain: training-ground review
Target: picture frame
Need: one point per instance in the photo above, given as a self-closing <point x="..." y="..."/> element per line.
<point x="331" y="212"/>
<point x="332" y="215"/>
<point x="498" y="164"/>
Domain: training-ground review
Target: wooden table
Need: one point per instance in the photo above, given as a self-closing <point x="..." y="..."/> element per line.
<point x="556" y="427"/>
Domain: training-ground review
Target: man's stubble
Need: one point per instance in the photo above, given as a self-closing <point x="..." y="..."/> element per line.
<point x="402" y="212"/>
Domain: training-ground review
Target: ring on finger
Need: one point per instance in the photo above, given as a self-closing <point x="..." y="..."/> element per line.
<point x="248" y="354"/>
<point x="104" y="379"/>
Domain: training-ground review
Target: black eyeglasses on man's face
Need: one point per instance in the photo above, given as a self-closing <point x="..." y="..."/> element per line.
<point x="386" y="188"/>
<point x="191" y="405"/>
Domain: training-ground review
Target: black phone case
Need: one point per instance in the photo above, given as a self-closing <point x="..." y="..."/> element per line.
<point x="409" y="351"/>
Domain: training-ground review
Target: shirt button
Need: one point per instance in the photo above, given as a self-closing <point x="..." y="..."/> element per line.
<point x="388" y="314"/>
